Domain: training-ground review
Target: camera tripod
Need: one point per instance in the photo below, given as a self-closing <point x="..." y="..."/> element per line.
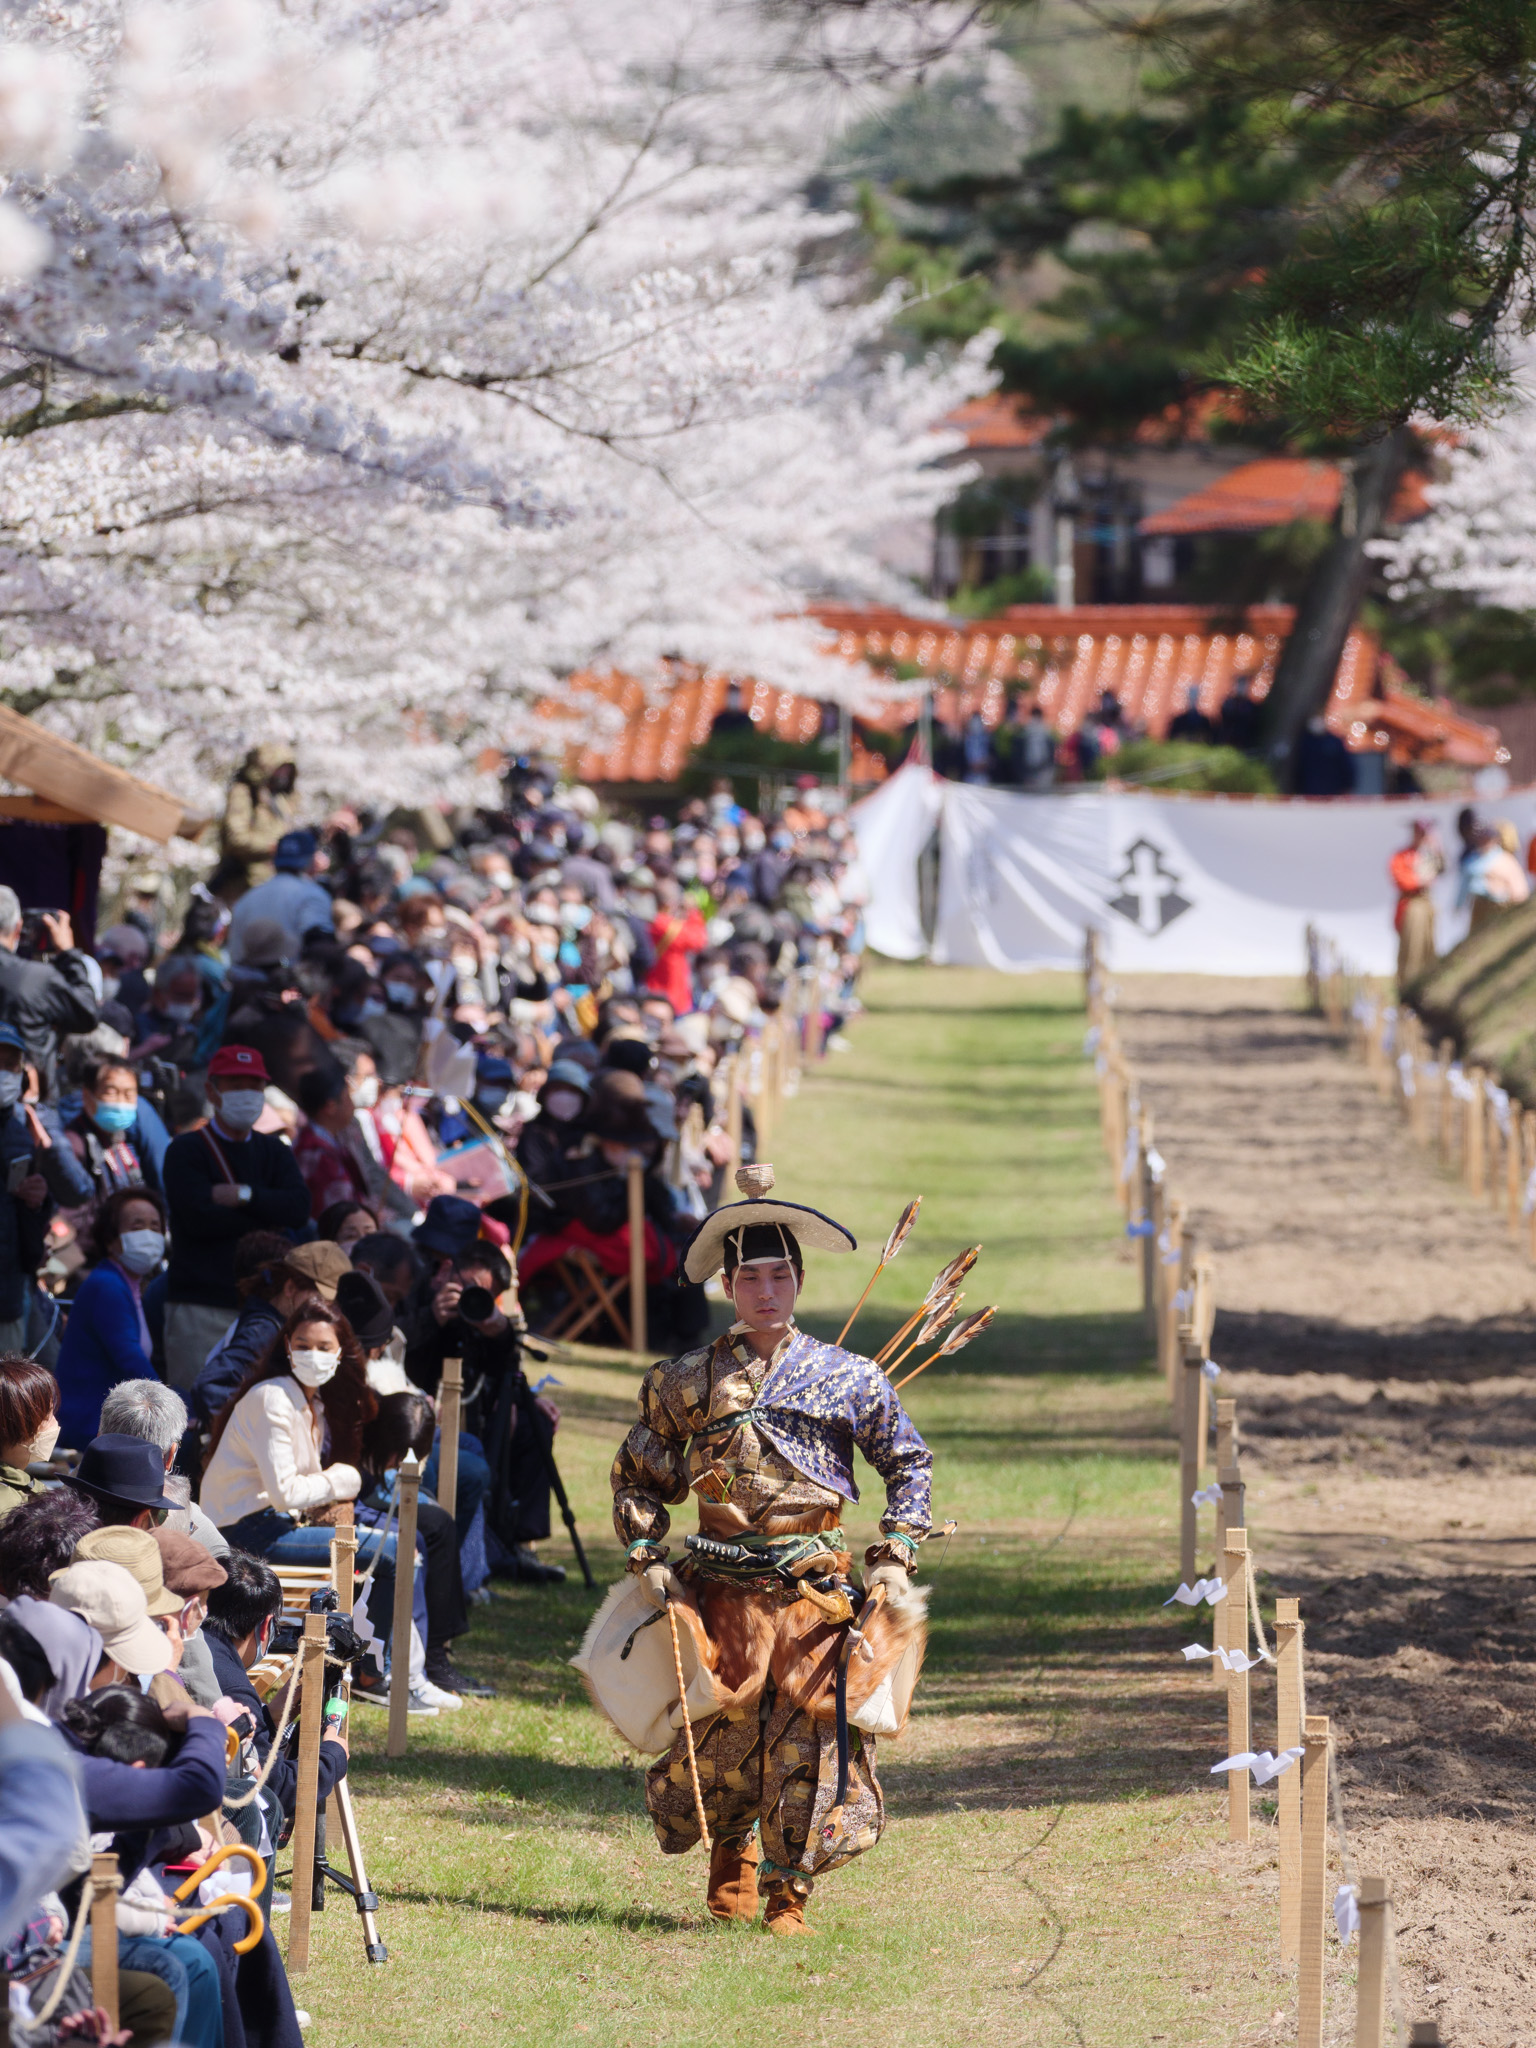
<point x="339" y="1807"/>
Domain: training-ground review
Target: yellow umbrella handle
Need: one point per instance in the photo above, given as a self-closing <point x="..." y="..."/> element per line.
<point x="252" y="1911"/>
<point x="216" y="1861"/>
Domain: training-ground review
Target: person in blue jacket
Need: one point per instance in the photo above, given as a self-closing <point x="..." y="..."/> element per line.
<point x="107" y="1339"/>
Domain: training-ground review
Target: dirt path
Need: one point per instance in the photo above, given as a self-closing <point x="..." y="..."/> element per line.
<point x="1379" y="1329"/>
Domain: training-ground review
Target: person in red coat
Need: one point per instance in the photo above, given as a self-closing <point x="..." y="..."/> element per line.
<point x="677" y="932"/>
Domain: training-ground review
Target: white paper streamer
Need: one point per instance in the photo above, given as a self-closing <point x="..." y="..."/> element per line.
<point x="1405" y="1074"/>
<point x="1091" y="1039"/>
<point x="1346" y="1911"/>
<point x="1211" y="1369"/>
<point x="1141" y="1228"/>
<point x="1211" y="1591"/>
<point x="1184" y="1297"/>
<point x="1262" y="1763"/>
<point x="1207" y="1497"/>
<point x="1157" y="1165"/>
<point x="1229" y="1660"/>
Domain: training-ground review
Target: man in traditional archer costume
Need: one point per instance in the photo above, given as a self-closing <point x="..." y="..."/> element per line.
<point x="789" y="1670"/>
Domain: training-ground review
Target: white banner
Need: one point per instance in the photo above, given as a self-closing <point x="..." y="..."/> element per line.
<point x="1202" y="885"/>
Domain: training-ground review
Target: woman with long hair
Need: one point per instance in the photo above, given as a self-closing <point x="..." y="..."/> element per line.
<point x="288" y="1444"/>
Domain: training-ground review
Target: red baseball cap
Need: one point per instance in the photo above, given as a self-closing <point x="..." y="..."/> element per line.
<point x="238" y="1063"/>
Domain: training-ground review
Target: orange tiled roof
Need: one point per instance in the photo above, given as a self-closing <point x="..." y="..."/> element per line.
<point x="1270" y="492"/>
<point x="994" y="421"/>
<point x="1150" y="656"/>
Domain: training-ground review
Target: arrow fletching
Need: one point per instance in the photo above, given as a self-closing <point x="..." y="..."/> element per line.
<point x="962" y="1333"/>
<point x="944" y="1310"/>
<point x="953" y="1273"/>
<point x="902" y="1232"/>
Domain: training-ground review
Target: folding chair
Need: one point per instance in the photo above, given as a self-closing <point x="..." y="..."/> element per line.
<point x="592" y="1294"/>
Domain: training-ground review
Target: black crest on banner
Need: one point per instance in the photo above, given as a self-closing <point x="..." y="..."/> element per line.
<point x="1149" y="890"/>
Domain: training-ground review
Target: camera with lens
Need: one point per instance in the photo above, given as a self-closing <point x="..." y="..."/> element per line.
<point x="33" y="942"/>
<point x="343" y="1644"/>
<point x="477" y="1304"/>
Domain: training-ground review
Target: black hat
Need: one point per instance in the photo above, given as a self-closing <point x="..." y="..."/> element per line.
<point x="359" y="1300"/>
<point x="450" y="1225"/>
<point x="759" y="1228"/>
<point x="122" y="1468"/>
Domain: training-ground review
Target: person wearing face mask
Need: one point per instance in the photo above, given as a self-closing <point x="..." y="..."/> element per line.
<point x="40" y="1171"/>
<point x="267" y="1484"/>
<point x="167" y="1026"/>
<point x="106" y="1136"/>
<point x="29" y="1427"/>
<point x="546" y="1144"/>
<point x="222" y="1182"/>
<point x="45" y="1000"/>
<point x="396" y="1036"/>
<point x="107" y="1339"/>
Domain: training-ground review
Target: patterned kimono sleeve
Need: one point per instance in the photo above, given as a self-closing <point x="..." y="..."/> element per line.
<point x="884" y="1432"/>
<point x="650" y="1473"/>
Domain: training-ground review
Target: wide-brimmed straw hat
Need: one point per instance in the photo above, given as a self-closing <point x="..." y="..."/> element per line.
<point x="809" y="1228"/>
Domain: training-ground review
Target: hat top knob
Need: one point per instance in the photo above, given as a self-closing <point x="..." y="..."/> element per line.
<point x="755" y="1181"/>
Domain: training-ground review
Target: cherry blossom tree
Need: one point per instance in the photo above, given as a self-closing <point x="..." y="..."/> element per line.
<point x="365" y="374"/>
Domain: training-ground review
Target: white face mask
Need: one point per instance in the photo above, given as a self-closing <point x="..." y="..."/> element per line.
<point x="563" y="1104"/>
<point x="366" y="1093"/>
<point x="179" y="1013"/>
<point x="240" y="1107"/>
<point x="141" y="1250"/>
<point x="313" y="1368"/>
<point x="41" y="1446"/>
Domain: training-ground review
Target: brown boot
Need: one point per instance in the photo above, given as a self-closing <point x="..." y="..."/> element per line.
<point x="733" y="1879"/>
<point x="786" y="1912"/>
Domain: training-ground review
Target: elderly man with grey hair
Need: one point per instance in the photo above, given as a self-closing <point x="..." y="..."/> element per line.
<point x="45" y="1000"/>
<point x="157" y="1415"/>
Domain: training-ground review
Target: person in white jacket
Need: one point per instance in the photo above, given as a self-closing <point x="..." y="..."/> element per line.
<point x="287" y="1447"/>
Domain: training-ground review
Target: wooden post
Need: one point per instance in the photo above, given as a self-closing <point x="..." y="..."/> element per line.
<point x="400" y="1632"/>
<point x="1443" y="1058"/>
<point x="1314" y="1881"/>
<point x="1146" y="1196"/>
<point x="1514" y="1153"/>
<point x="309" y="1672"/>
<point x="106" y="1884"/>
<point x="636" y="1255"/>
<point x="450" y="1399"/>
<point x="1189" y="1460"/>
<point x="1288" y="1632"/>
<point x="1375" y="1902"/>
<point x="1235" y="1606"/>
<point x="733" y="1117"/>
<point x="344" y="1557"/>
<point x="1173" y="1271"/>
<point x="813" y="1019"/>
<point x="1226" y="1458"/>
<point x="1472" y="1132"/>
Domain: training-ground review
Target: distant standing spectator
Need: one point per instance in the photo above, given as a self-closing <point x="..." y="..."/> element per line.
<point x="257" y="812"/>
<point x="1324" y="766"/>
<point x="221" y="1182"/>
<point x="1414" y="869"/>
<point x="976" y="746"/>
<point x="292" y="898"/>
<point x="1036" y="752"/>
<point x="677" y="932"/>
<point x="1192" y="723"/>
<point x="45" y="1000"/>
<point x="1240" y="717"/>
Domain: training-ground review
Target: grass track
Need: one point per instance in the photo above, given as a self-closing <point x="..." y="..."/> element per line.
<point x="1055" y="1869"/>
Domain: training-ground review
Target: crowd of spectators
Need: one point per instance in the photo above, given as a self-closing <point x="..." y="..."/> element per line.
<point x="373" y="1097"/>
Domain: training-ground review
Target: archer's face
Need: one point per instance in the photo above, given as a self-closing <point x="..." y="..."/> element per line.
<point x="764" y="1293"/>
